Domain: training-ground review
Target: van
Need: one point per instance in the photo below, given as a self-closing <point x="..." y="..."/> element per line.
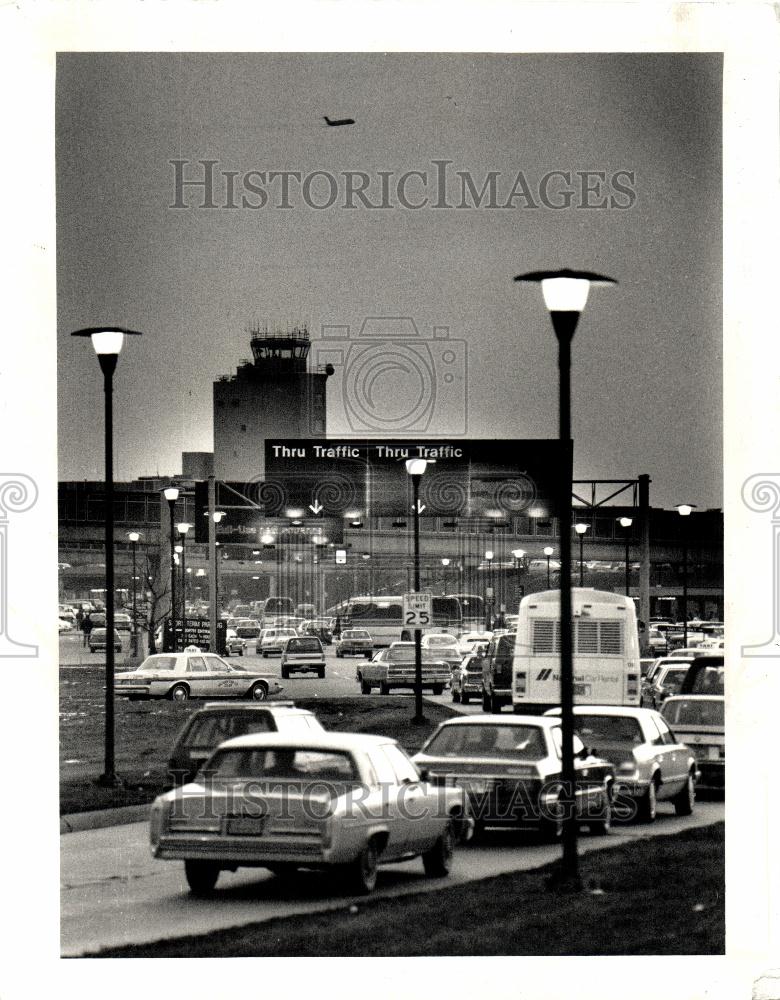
<point x="303" y="654"/>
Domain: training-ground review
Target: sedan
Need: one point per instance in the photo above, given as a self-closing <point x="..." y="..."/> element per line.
<point x="699" y="719"/>
<point x="273" y="640"/>
<point x="234" y="645"/>
<point x="247" y="628"/>
<point x="444" y="646"/>
<point x="511" y="770"/>
<point x="665" y="681"/>
<point x="193" y="674"/>
<point x="651" y="763"/>
<point x="467" y="679"/>
<point x="98" y="640"/>
<point x="338" y="801"/>
<point x="355" y="642"/>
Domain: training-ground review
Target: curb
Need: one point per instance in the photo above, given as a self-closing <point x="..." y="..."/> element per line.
<point x="98" y="819"/>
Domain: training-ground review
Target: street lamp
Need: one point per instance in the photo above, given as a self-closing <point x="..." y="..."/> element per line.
<point x="171" y="494"/>
<point x="565" y="294"/>
<point x="216" y="517"/>
<point x="548" y="551"/>
<point x="183" y="527"/>
<point x="684" y="510"/>
<point x="445" y="563"/>
<point x="415" y="468"/>
<point x="519" y="555"/>
<point x="626" y="522"/>
<point x="580" y="527"/>
<point x="490" y="591"/>
<point x="133" y="537"/>
<point x="107" y="342"/>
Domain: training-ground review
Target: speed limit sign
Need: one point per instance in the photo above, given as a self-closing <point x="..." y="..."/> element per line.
<point x="417" y="610"/>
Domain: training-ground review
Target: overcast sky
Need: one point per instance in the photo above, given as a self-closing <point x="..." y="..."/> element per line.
<point x="647" y="356"/>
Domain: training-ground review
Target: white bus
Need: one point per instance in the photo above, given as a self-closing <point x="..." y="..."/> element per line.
<point x="381" y="614"/>
<point x="605" y="651"/>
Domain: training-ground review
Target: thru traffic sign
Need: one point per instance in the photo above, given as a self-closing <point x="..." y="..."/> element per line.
<point x="417" y="610"/>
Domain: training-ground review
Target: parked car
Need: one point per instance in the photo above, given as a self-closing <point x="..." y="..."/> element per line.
<point x="355" y="642"/>
<point x="467" y="679"/>
<point x="219" y="721"/>
<point x="511" y="769"/>
<point x="699" y="721"/>
<point x="98" y="640"/>
<point x="65" y="625"/>
<point x="303" y="654"/>
<point x="272" y="640"/>
<point x="444" y="646"/>
<point x="651" y="763"/>
<point x="123" y="622"/>
<point x="193" y="674"/>
<point x="394" y="667"/>
<point x="324" y="800"/>
<point x="234" y="645"/>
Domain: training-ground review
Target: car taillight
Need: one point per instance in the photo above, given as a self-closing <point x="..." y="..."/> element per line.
<point x="520" y="682"/>
<point x="632" y="685"/>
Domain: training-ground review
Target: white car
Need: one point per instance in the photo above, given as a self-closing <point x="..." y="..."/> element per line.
<point x="469" y="641"/>
<point x="193" y="674"/>
<point x="273" y="640"/>
<point x="65" y="626"/>
<point x="343" y="801"/>
<point x="444" y="646"/>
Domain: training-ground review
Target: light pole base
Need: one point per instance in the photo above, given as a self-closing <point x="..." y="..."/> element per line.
<point x="563" y="882"/>
<point x="419" y="720"/>
<point x="109" y="781"/>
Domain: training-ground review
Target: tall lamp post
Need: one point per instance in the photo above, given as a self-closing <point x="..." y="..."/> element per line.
<point x="548" y="551"/>
<point x="684" y="510"/>
<point x="107" y="342"/>
<point x="415" y="468"/>
<point x="519" y="556"/>
<point x="182" y="528"/>
<point x="171" y="494"/>
<point x="133" y="537"/>
<point x="565" y="294"/>
<point x="580" y="527"/>
<point x="625" y="523"/>
<point x="216" y="519"/>
<point x="490" y="590"/>
<point x="445" y="563"/>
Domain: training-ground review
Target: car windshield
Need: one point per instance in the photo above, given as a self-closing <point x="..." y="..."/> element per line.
<point x="405" y="654"/>
<point x="441" y="640"/>
<point x="595" y="730"/>
<point x="356" y="633"/>
<point x="695" y="712"/>
<point x="482" y="740"/>
<point x="303" y="646"/>
<point x="152" y="663"/>
<point x="282" y="764"/>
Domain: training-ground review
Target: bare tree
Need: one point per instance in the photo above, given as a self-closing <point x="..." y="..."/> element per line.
<point x="158" y="589"/>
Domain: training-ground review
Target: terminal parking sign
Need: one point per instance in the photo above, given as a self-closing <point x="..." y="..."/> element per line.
<point x="417" y="610"/>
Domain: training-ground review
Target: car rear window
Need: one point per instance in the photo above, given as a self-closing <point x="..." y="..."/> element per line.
<point x="595" y="730"/>
<point x="209" y="731"/>
<point x="283" y="764"/>
<point x="481" y="740"/>
<point x="695" y="712"/>
<point x="304" y="646"/>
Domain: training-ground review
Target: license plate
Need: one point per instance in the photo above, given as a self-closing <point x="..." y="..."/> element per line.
<point x="582" y="689"/>
<point x="245" y="826"/>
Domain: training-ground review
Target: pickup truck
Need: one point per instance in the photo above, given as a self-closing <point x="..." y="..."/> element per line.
<point x="393" y="667"/>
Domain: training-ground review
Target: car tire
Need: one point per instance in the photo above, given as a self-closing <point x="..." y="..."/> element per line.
<point x="485" y="701"/>
<point x="259" y="691"/>
<point x="179" y="692"/>
<point x="264" y="655"/>
<point x="384" y="687"/>
<point x="685" y="798"/>
<point x="321" y="672"/>
<point x="365" y="687"/>
<point x="240" y="652"/>
<point x="369" y="655"/>
<point x="464" y="698"/>
<point x="455" y="695"/>
<point x="647" y="806"/>
<point x="201" y="877"/>
<point x="495" y="705"/>
<point x="438" y="689"/>
<point x="438" y="860"/>
<point x="601" y="827"/>
<point x="283" y="869"/>
<point x="285" y="673"/>
<point x="362" y="872"/>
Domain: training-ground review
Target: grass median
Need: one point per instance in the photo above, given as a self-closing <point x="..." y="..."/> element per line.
<point x="657" y="896"/>
<point x="146" y="731"/>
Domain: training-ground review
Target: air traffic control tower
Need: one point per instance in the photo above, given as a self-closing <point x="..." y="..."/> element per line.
<point x="273" y="396"/>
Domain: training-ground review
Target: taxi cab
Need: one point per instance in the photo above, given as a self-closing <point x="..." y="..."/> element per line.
<point x="194" y="674"/>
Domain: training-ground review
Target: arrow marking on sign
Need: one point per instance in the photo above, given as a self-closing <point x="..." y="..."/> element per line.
<point x="316" y="506"/>
<point x="420" y="507"/>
